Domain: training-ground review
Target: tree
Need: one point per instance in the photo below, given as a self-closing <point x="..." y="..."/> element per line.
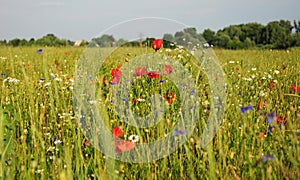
<point x="121" y="42"/>
<point x="248" y="43"/>
<point x="278" y="34"/>
<point x="235" y="43"/>
<point x="169" y="37"/>
<point x="296" y="26"/>
<point x="222" y="39"/>
<point x="252" y="31"/>
<point x="209" y="36"/>
<point x="104" y="41"/>
<point x="14" y="42"/>
<point x="234" y="31"/>
<point x="3" y="42"/>
<point x="48" y="40"/>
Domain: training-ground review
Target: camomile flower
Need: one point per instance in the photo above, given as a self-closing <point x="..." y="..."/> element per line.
<point x="134" y="138"/>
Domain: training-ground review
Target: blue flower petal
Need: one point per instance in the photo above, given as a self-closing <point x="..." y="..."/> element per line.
<point x="39" y="51"/>
<point x="179" y="132"/>
<point x="271" y="117"/>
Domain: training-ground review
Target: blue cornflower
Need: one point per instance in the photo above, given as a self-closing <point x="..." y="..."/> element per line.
<point x="193" y="92"/>
<point x="161" y="81"/>
<point x="271" y="117"/>
<point x="124" y="99"/>
<point x="82" y="122"/>
<point x="267" y="157"/>
<point x="179" y="132"/>
<point x="271" y="128"/>
<point x="246" y="108"/>
<point x="39" y="51"/>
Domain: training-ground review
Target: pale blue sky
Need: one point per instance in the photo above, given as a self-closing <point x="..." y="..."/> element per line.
<point x="84" y="19"/>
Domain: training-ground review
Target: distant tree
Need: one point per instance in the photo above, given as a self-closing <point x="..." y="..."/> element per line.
<point x="279" y="34"/>
<point x="31" y="42"/>
<point x="48" y="40"/>
<point x="121" y="42"/>
<point x="14" y="42"/>
<point x="192" y="31"/>
<point x="248" y="43"/>
<point x="234" y="31"/>
<point x="295" y="39"/>
<point x="252" y="31"/>
<point x="23" y="42"/>
<point x="235" y="43"/>
<point x="209" y="36"/>
<point x="3" y="42"/>
<point x="296" y="26"/>
<point x="104" y="41"/>
<point x="148" y="41"/>
<point x="187" y="37"/>
<point x="222" y="39"/>
<point x="169" y="37"/>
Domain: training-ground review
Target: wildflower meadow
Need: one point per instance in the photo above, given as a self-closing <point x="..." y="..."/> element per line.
<point x="44" y="133"/>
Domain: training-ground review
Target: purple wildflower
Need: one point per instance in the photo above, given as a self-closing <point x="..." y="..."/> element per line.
<point x="246" y="108"/>
<point x="271" y="128"/>
<point x="271" y="117"/>
<point x="267" y="157"/>
<point x="124" y="99"/>
<point x="39" y="51"/>
<point x="179" y="132"/>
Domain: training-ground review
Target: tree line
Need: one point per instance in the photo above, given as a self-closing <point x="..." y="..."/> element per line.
<point x="47" y="40"/>
<point x="280" y="34"/>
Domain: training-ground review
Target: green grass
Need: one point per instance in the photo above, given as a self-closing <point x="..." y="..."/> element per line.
<point x="35" y="118"/>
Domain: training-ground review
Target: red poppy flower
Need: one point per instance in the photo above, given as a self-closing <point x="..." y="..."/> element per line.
<point x="272" y="83"/>
<point x="260" y="104"/>
<point x="281" y="120"/>
<point x="167" y="69"/>
<point x="117" y="132"/>
<point x="103" y="79"/>
<point x="153" y="74"/>
<point x="170" y="97"/>
<point x="295" y="88"/>
<point x="115" y="80"/>
<point x="124" y="146"/>
<point x="157" y="44"/>
<point x="87" y="143"/>
<point x="116" y="72"/>
<point x="262" y="135"/>
<point x="139" y="71"/>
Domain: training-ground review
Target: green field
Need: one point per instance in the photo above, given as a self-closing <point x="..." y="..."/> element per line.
<point x="41" y="139"/>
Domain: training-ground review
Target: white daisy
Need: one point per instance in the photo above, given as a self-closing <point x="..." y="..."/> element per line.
<point x="134" y="138"/>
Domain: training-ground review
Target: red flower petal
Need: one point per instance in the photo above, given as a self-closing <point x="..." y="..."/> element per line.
<point x="260" y="104"/>
<point x="170" y="97"/>
<point x="280" y="120"/>
<point x="140" y="71"/>
<point x="295" y="88"/>
<point x="115" y="80"/>
<point x="153" y="74"/>
<point x="117" y="132"/>
<point x="157" y="44"/>
<point x="124" y="146"/>
<point x="167" y="69"/>
<point x="87" y="143"/>
<point x="116" y="72"/>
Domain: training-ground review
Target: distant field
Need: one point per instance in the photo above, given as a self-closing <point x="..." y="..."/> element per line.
<point x="41" y="139"/>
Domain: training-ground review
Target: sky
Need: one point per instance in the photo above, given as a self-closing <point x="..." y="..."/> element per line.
<point x="85" y="19"/>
